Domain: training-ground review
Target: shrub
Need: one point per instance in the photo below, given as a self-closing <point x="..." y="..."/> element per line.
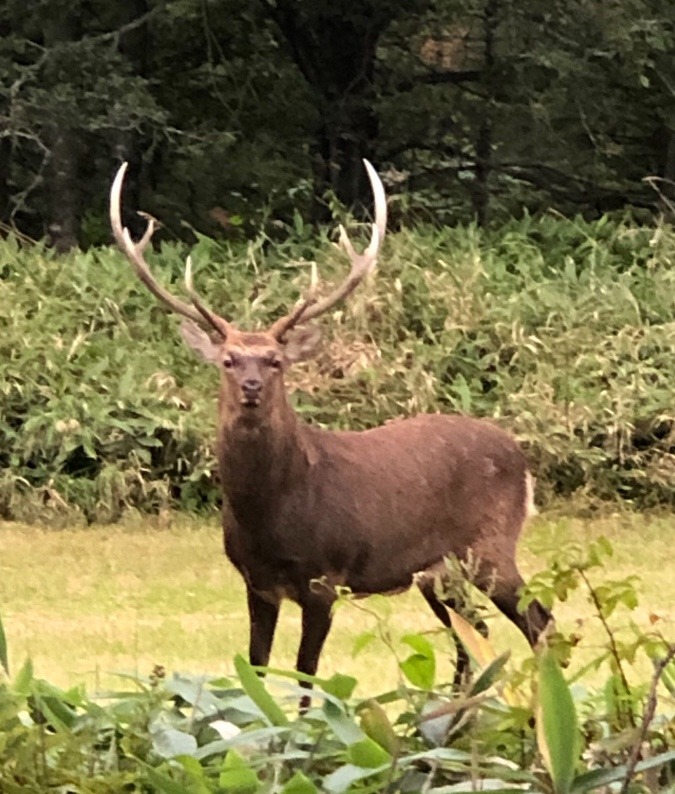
<point x="561" y="330"/>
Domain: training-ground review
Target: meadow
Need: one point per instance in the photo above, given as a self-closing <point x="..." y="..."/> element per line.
<point x="87" y="603"/>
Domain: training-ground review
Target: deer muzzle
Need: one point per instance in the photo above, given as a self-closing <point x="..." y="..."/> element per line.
<point x="250" y="390"/>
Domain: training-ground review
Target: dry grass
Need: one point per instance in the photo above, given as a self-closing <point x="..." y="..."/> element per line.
<point x="84" y="603"/>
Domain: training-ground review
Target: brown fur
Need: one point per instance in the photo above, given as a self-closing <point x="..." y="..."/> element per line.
<point x="307" y="509"/>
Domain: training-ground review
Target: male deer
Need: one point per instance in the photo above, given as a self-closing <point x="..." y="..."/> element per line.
<point x="374" y="510"/>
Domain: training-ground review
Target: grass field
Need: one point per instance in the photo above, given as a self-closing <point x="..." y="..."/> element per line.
<point x="85" y="603"/>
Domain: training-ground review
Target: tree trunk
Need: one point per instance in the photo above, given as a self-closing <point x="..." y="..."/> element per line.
<point x="484" y="165"/>
<point x="5" y="192"/>
<point x="127" y="144"/>
<point x="61" y="182"/>
<point x="61" y="175"/>
<point x="668" y="185"/>
<point x="335" y="53"/>
<point x="481" y="190"/>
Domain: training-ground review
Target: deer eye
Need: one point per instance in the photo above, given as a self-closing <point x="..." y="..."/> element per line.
<point x="227" y="363"/>
<point x="275" y="363"/>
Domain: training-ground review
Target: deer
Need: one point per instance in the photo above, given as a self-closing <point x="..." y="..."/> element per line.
<point x="308" y="511"/>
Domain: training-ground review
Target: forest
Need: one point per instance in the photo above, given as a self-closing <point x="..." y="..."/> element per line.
<point x="235" y="116"/>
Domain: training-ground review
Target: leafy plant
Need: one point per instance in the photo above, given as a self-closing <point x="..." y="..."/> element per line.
<point x="562" y="331"/>
<point x="508" y="730"/>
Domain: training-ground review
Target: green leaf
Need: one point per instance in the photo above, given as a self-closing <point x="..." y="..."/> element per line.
<point x="340" y="686"/>
<point x="169" y="742"/>
<point x="255" y="689"/>
<point x="367" y="753"/>
<point x="195" y="771"/>
<point x="376" y="724"/>
<point x="419" y="670"/>
<point x="58" y="714"/>
<point x="420" y="667"/>
<point x="490" y="674"/>
<point x="362" y="641"/>
<point x="668" y="678"/>
<point x="343" y="777"/>
<point x="419" y="644"/>
<point x="299" y="784"/>
<point x="163" y="784"/>
<point x="557" y="730"/>
<point x="193" y="690"/>
<point x="343" y="726"/>
<point x="23" y="683"/>
<point x="487" y="784"/>
<point x="236" y="775"/>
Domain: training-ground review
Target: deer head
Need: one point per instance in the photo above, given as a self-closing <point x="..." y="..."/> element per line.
<point x="252" y="365"/>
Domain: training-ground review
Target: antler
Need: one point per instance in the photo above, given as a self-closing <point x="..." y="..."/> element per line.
<point x="362" y="264"/>
<point x="198" y="312"/>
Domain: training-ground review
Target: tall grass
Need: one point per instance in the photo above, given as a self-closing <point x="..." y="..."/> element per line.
<point x="561" y="330"/>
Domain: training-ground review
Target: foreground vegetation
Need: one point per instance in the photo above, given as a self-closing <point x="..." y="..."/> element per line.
<point x="147" y="601"/>
<point x="561" y="330"/>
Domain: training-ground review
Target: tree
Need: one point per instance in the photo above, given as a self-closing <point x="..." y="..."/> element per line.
<point x="68" y="90"/>
<point x="234" y="115"/>
<point x="334" y="46"/>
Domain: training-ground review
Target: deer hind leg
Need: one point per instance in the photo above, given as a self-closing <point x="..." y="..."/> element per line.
<point x="502" y="584"/>
<point x="438" y="604"/>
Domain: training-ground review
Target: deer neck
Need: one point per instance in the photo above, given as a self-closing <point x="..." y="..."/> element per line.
<point x="259" y="460"/>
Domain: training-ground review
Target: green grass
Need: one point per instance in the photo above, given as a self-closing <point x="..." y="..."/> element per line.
<point x="85" y="603"/>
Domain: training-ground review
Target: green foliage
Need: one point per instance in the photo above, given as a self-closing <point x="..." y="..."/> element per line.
<point x="186" y="734"/>
<point x="420" y="667"/>
<point x="238" y="113"/>
<point x="562" y="331"/>
<point x="256" y="690"/>
<point x="557" y="723"/>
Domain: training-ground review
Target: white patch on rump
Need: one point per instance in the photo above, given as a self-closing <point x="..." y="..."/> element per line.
<point x="530" y="506"/>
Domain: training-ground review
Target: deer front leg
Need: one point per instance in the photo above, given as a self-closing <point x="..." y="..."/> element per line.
<point x="263" y="616"/>
<point x="503" y="590"/>
<point x="316" y="623"/>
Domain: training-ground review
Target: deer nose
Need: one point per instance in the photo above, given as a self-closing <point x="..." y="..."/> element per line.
<point x="252" y="386"/>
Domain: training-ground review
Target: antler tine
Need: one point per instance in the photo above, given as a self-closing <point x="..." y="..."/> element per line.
<point x="284" y="324"/>
<point x="142" y="244"/>
<point x="221" y="325"/>
<point x="362" y="264"/>
<point x="134" y="253"/>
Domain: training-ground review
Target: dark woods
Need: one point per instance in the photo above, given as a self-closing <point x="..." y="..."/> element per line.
<point x="234" y="115"/>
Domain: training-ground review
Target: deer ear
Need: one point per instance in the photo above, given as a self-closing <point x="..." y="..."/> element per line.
<point x="301" y="343"/>
<point x="201" y="342"/>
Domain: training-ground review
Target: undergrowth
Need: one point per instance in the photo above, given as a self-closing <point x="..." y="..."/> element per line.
<point x="508" y="730"/>
<point x="560" y="330"/>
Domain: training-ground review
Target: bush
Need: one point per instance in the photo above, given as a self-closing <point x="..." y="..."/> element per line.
<point x="561" y="330"/>
<point x="509" y="730"/>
